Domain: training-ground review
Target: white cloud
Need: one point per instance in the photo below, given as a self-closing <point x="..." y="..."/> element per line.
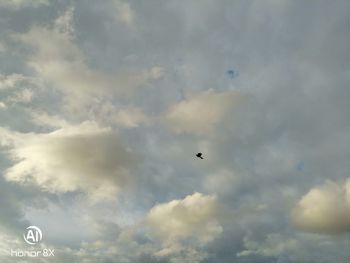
<point x="59" y="61"/>
<point x="124" y="13"/>
<point x="200" y="113"/>
<point x="64" y="23"/>
<point x="84" y="158"/>
<point x="222" y="181"/>
<point x="324" y="209"/>
<point x="157" y="72"/>
<point x="22" y="3"/>
<point x="179" y="254"/>
<point x="45" y="120"/>
<point x="18" y="88"/>
<point x="131" y="117"/>
<point x="3" y="105"/>
<point x="25" y="96"/>
<point x="11" y="81"/>
<point x="273" y="245"/>
<point x="3" y="47"/>
<point x="194" y="216"/>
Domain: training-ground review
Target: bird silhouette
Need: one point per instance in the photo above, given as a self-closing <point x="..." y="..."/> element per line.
<point x="199" y="155"/>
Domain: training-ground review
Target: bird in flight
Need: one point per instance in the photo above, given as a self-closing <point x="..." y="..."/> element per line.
<point x="199" y="155"/>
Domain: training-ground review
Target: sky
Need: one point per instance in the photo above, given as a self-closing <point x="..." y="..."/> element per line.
<point x="104" y="104"/>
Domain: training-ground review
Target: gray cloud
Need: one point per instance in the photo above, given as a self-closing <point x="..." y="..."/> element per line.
<point x="122" y="75"/>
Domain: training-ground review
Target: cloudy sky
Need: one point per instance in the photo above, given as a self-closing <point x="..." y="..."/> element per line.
<point x="104" y="104"/>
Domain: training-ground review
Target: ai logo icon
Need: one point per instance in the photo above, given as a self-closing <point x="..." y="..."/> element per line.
<point x="33" y="235"/>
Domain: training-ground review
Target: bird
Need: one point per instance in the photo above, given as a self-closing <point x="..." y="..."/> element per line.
<point x="232" y="73"/>
<point x="199" y="155"/>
